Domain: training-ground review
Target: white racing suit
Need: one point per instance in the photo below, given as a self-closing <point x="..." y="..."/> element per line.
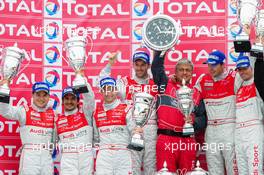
<point x="148" y="155"/>
<point x="37" y="134"/>
<point x="219" y="99"/>
<point x="249" y="137"/>
<point x="126" y="86"/>
<point x="75" y="133"/>
<point x="112" y="131"/>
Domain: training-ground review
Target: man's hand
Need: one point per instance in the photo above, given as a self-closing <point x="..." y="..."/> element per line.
<point x="4" y="81"/>
<point x="112" y="58"/>
<point x="246" y="29"/>
<point x="80" y="72"/>
<point x="259" y="39"/>
<point x="188" y="119"/>
<point x="138" y="130"/>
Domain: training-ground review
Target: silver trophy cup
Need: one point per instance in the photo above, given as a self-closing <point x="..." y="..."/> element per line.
<point x="257" y="49"/>
<point x="141" y="113"/>
<point x="10" y="64"/>
<point x="185" y="100"/>
<point x="247" y="10"/>
<point x="76" y="55"/>
<point x="164" y="170"/>
<point x="198" y="170"/>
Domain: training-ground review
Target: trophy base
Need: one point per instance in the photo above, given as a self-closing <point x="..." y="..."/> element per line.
<point x="80" y="89"/>
<point x="133" y="147"/>
<point x="4" y="98"/>
<point x="188" y="129"/>
<point x="79" y="85"/>
<point x="242" y="45"/>
<point x="137" y="143"/>
<point x="257" y="51"/>
<point x="4" y="94"/>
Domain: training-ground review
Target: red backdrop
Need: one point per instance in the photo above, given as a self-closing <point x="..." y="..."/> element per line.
<point x="40" y="27"/>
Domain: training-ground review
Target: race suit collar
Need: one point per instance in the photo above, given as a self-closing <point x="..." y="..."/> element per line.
<point x="141" y="80"/>
<point x="248" y="82"/>
<point x="221" y="76"/>
<point x="38" y="109"/>
<point x="112" y="105"/>
<point x="67" y="113"/>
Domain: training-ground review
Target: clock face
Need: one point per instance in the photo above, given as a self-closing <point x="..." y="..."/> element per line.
<point x="160" y="32"/>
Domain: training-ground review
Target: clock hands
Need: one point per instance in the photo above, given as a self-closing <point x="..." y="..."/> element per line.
<point x="166" y="31"/>
<point x="158" y="28"/>
<point x="163" y="32"/>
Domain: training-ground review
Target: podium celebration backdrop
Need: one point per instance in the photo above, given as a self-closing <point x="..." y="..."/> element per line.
<point x="41" y="27"/>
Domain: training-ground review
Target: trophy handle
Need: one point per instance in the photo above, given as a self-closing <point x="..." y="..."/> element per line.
<point x="28" y="56"/>
<point x="92" y="44"/>
<point x="151" y="109"/>
<point x="65" y="59"/>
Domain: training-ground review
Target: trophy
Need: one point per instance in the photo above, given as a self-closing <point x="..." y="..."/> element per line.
<point x="198" y="170"/>
<point x="161" y="32"/>
<point x="76" y="55"/>
<point x="164" y="170"/>
<point x="247" y="10"/>
<point x="10" y="64"/>
<point x="184" y="96"/>
<point x="257" y="49"/>
<point x="141" y="112"/>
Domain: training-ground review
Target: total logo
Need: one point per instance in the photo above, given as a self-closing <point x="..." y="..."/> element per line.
<point x="52" y="30"/>
<point x="52" y="7"/>
<point x="52" y="77"/>
<point x="137" y="32"/>
<point x="234" y="55"/>
<point x="52" y="54"/>
<point x="55" y="101"/>
<point x="235" y="29"/>
<point x="141" y="7"/>
<point x="233" y="6"/>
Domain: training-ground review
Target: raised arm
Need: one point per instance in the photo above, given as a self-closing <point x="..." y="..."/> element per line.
<point x="158" y="71"/>
<point x="13" y="113"/>
<point x="259" y="77"/>
<point x="89" y="104"/>
<point x="106" y="72"/>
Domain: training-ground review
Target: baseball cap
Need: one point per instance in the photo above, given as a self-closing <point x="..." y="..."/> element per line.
<point x="215" y="58"/>
<point x="40" y="86"/>
<point x="107" y="81"/>
<point x="242" y="62"/>
<point x="69" y="90"/>
<point x="143" y="54"/>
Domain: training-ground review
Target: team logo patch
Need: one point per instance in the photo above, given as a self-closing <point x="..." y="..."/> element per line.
<point x="208" y="84"/>
<point x="102" y="115"/>
<point x="35" y="114"/>
<point x="62" y="121"/>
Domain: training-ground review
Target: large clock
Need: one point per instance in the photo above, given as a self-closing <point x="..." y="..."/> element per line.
<point x="161" y="32"/>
